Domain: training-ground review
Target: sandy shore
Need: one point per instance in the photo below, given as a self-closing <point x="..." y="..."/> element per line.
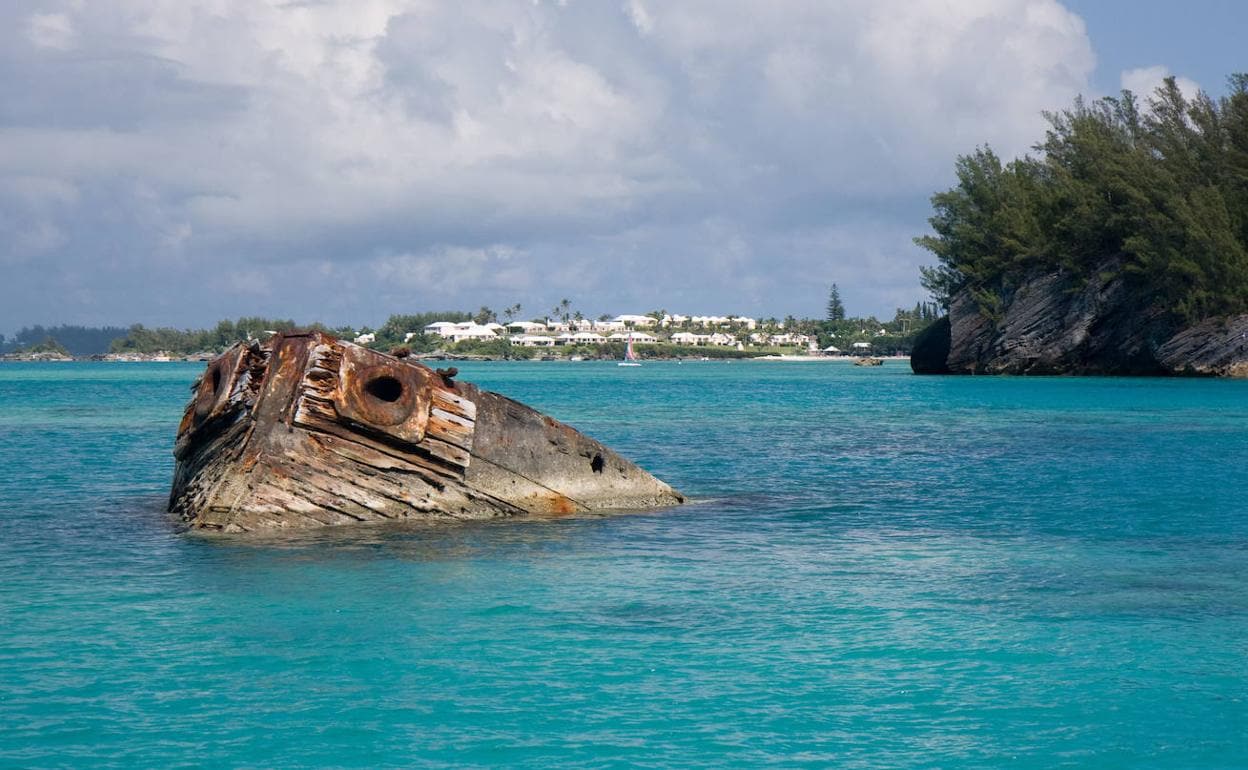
<point x="845" y="359"/>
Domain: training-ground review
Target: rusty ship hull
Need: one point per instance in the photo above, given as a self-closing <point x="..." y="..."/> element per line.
<point x="307" y="431"/>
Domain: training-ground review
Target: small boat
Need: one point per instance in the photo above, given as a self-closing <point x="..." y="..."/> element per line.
<point x="304" y="430"/>
<point x="868" y="361"/>
<point x="630" y="357"/>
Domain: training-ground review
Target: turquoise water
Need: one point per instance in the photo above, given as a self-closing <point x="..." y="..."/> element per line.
<point x="878" y="570"/>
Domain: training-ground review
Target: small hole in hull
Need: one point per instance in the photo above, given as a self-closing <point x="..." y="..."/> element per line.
<point x="386" y="389"/>
<point x="597" y="464"/>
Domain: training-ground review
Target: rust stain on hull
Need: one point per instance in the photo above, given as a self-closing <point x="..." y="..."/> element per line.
<point x="307" y="431"/>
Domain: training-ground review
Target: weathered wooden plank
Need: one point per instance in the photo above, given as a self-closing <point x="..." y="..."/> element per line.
<point x="454" y="404"/>
<point x="449" y="453"/>
<point x="374" y="493"/>
<point x="384" y="461"/>
<point x="450" y="428"/>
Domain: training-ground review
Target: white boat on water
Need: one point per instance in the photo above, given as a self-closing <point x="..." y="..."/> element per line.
<point x="630" y="357"/>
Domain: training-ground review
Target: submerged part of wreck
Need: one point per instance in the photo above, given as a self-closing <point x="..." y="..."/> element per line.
<point x="306" y="430"/>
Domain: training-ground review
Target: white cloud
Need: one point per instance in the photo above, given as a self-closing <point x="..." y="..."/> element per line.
<point x="640" y="16"/>
<point x="1144" y="81"/>
<point x="50" y="30"/>
<point x="354" y="131"/>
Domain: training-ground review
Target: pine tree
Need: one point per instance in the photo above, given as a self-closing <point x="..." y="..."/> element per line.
<point x="836" y="310"/>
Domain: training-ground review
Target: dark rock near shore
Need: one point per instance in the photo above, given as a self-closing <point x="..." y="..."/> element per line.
<point x="931" y="349"/>
<point x="1051" y="325"/>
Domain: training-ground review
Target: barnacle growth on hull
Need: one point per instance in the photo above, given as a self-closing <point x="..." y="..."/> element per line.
<point x="307" y="430"/>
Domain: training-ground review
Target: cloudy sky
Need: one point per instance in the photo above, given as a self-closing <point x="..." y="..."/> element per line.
<point x="173" y="162"/>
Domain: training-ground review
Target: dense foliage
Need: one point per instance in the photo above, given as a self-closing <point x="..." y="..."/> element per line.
<point x="1159" y="196"/>
<point x="76" y="340"/>
<point x="396" y="328"/>
<point x="140" y="339"/>
<point x="48" y="345"/>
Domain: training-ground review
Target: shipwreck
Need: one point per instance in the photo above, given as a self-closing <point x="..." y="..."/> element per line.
<point x="306" y="430"/>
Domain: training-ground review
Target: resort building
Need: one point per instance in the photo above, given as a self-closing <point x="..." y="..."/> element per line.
<point x="532" y="341"/>
<point x="526" y="327"/>
<point x="787" y="338"/>
<point x="469" y="331"/>
<point x="635" y="320"/>
<point x="439" y="327"/>
<point x="640" y="337"/>
<point x="709" y="321"/>
<point x="689" y="338"/>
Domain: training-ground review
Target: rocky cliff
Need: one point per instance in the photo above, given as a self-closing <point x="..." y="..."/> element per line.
<point x="1052" y="325"/>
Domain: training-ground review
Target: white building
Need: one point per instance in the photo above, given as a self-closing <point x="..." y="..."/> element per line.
<point x="438" y="327"/>
<point x="635" y="320"/>
<point x="532" y="341"/>
<point x="689" y="338"/>
<point x="526" y="327"/>
<point x="469" y="331"/>
<point x="609" y="326"/>
<point x="365" y="339"/>
<point x="713" y="320"/>
<point x="789" y="338"/>
<point x="588" y="338"/>
<point x="640" y="337"/>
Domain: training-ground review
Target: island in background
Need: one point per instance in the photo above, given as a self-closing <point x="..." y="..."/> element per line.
<point x="563" y="333"/>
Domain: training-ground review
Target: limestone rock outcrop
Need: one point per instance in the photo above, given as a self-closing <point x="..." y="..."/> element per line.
<point x="1053" y="325"/>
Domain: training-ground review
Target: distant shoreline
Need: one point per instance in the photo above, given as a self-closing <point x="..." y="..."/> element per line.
<point x="804" y="359"/>
<point x="138" y="359"/>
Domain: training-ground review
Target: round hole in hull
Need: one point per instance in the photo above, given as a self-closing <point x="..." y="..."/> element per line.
<point x="384" y="388"/>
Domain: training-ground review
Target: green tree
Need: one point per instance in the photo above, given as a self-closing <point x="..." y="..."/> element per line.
<point x="1156" y="196"/>
<point x="836" y="309"/>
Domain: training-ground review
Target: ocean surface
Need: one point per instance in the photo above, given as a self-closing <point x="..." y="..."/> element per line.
<point x="876" y="570"/>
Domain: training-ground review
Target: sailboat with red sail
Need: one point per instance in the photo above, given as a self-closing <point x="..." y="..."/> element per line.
<point x="630" y="356"/>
